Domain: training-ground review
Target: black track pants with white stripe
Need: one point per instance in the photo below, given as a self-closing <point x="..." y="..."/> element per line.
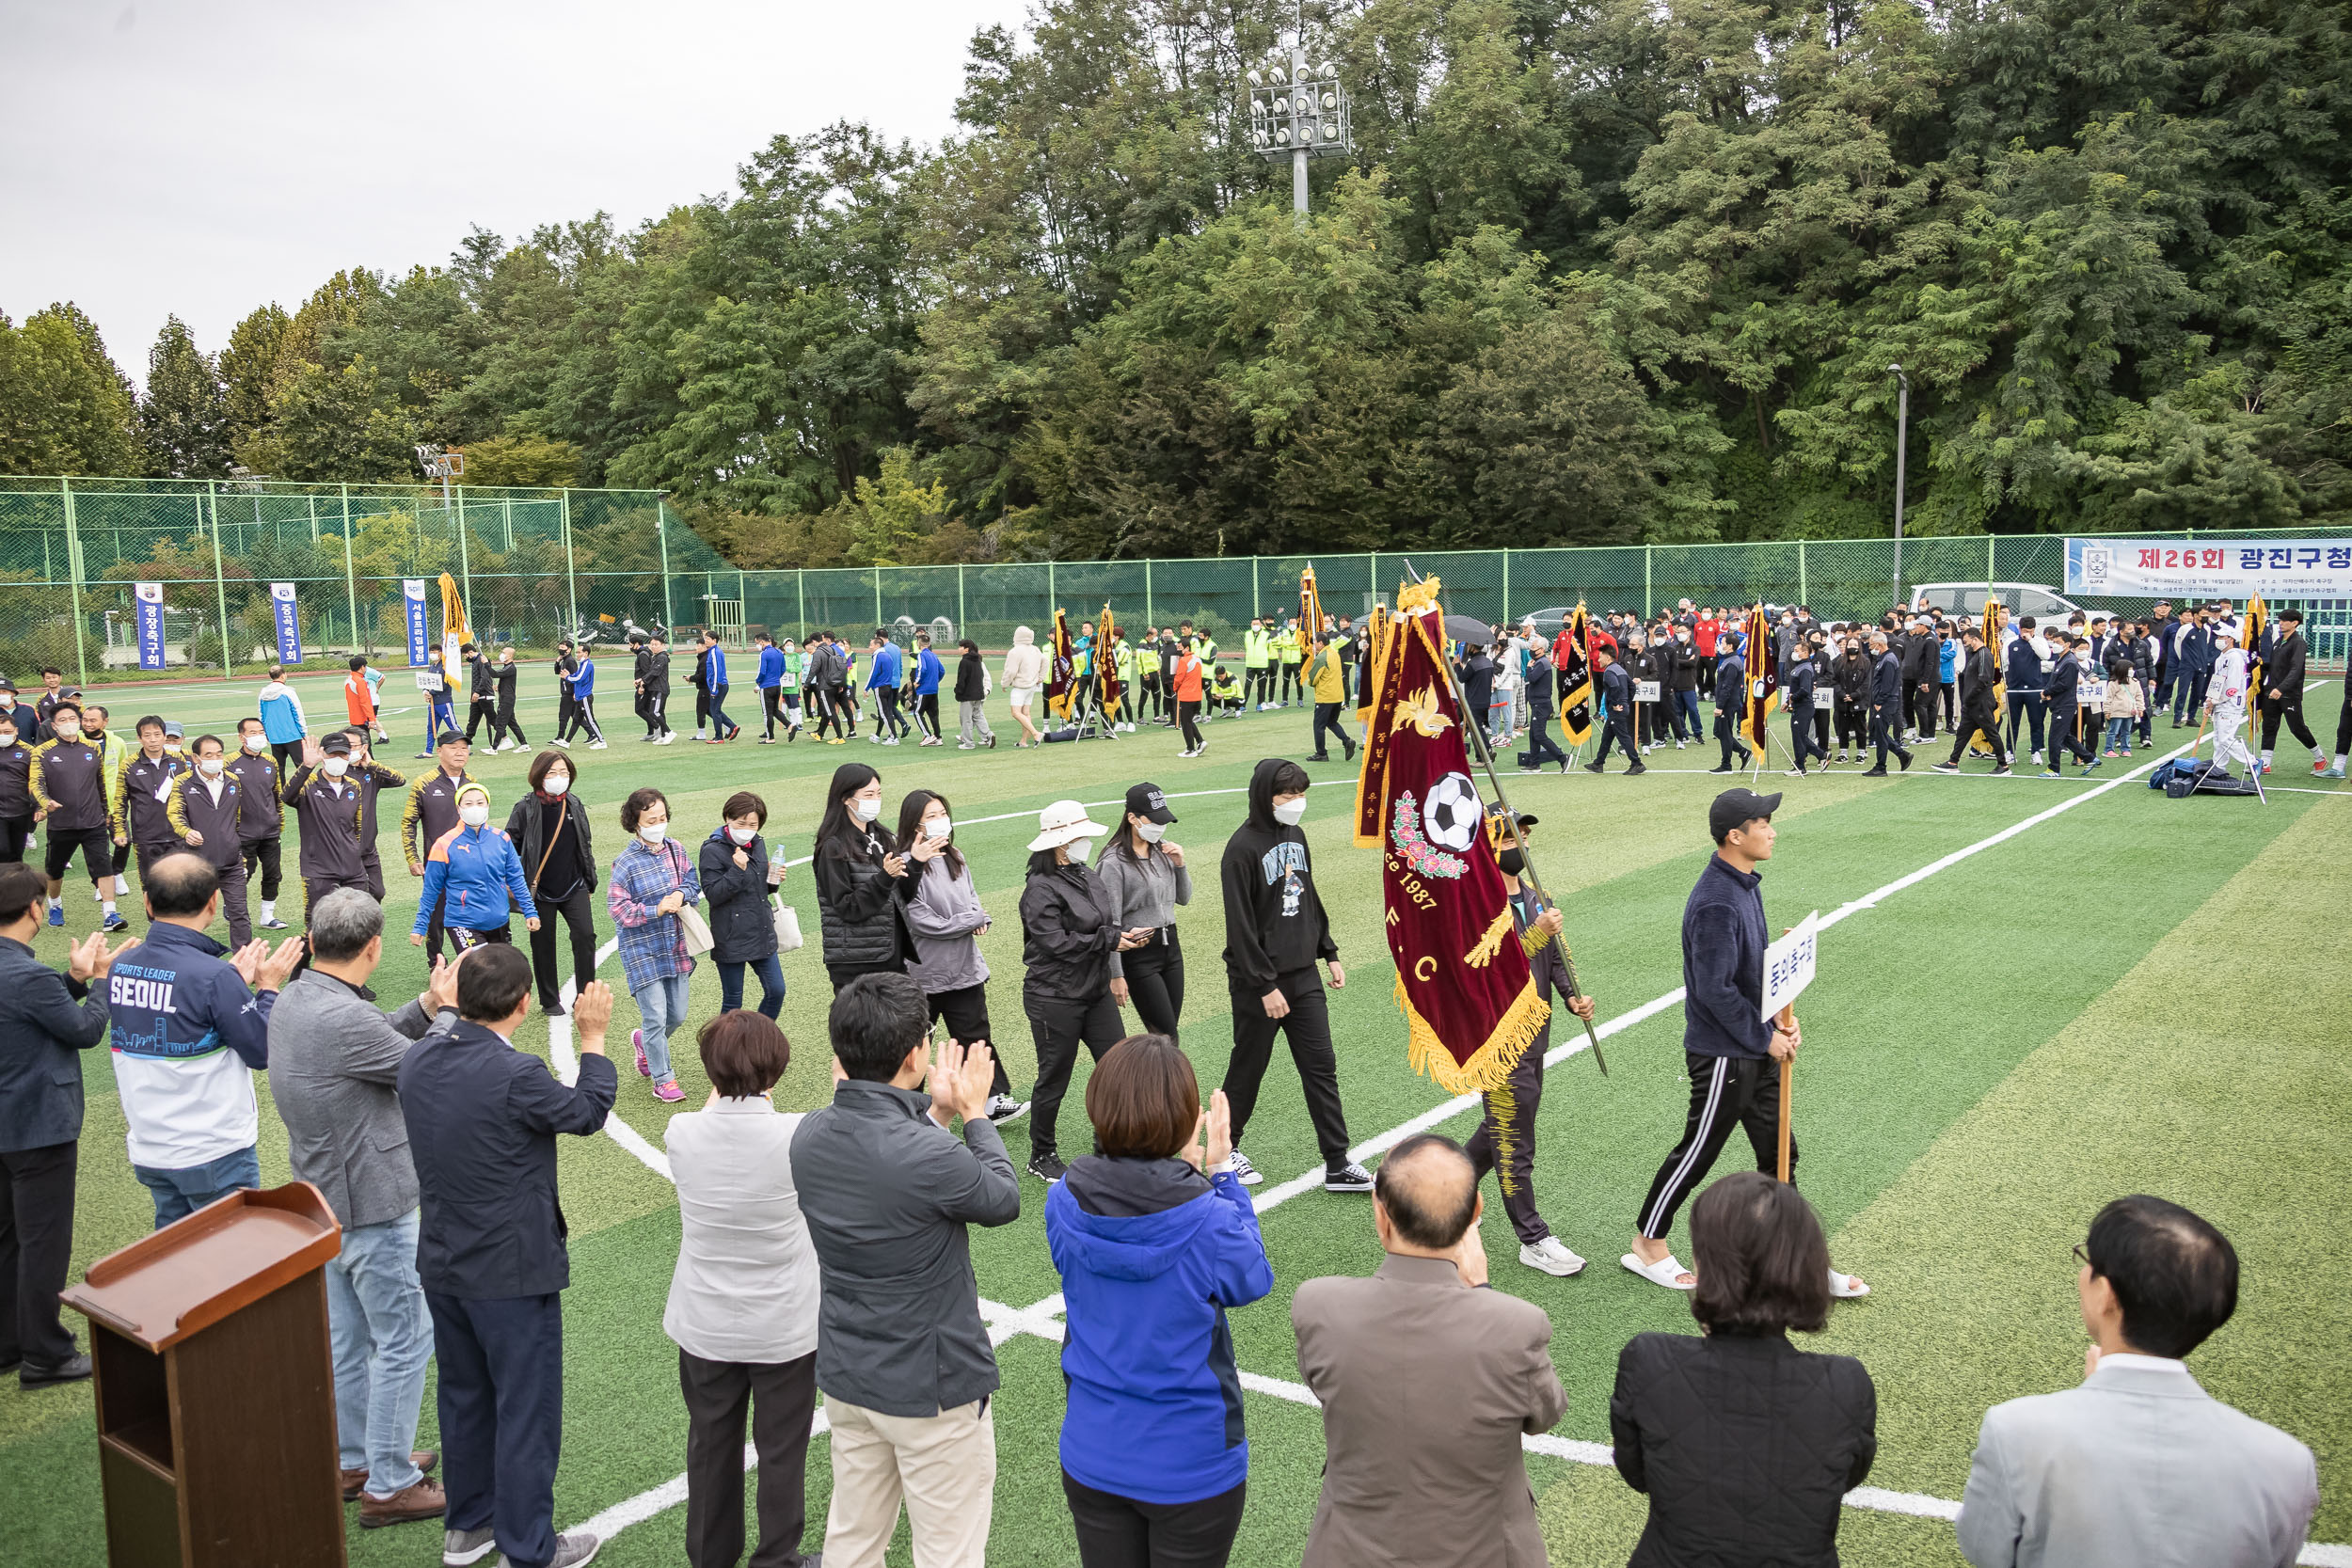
<point x="1726" y="1092"/>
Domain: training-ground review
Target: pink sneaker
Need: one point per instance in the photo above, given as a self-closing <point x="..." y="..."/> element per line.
<point x="668" y="1091"/>
<point x="637" y="1038"/>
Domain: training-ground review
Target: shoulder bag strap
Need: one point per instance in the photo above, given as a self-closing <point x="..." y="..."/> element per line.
<point x="561" y="818"/>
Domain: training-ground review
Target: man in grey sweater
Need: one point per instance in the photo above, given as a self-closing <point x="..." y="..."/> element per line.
<point x="901" y="1353"/>
<point x="333" y="1058"/>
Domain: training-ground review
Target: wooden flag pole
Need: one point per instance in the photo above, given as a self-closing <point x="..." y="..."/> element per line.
<point x="1788" y="1095"/>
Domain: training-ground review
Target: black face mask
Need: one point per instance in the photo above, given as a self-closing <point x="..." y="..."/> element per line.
<point x="1512" y="861"/>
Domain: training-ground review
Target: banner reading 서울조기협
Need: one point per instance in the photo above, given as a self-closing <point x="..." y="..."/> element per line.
<point x="2174" y="568"/>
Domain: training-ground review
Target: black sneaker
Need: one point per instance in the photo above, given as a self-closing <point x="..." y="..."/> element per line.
<point x="1349" y="1178"/>
<point x="1048" y="1167"/>
<point x="1944" y="766"/>
<point x="1637" y="767"/>
<point x="1874" y="773"/>
<point x="2001" y="771"/>
<point x="41" y="1374"/>
<point x="1594" y="767"/>
<point x="1904" y="757"/>
<point x="1720" y="767"/>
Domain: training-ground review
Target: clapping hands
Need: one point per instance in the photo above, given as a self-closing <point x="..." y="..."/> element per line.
<point x="959" y="1078"/>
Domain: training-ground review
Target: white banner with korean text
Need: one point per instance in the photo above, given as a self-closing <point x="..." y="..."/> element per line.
<point x="2210" y="569"/>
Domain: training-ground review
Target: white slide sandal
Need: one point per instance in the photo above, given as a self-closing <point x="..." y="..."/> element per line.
<point x="1663" y="1272"/>
<point x="1845" y="1287"/>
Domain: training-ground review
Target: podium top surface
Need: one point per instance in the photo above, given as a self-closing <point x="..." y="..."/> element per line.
<point x="191" y="1275"/>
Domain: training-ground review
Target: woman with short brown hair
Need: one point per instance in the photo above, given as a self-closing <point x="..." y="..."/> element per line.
<point x="1154" y="1238"/>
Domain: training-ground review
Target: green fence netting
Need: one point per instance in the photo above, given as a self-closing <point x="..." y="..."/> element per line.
<point x="537" y="564"/>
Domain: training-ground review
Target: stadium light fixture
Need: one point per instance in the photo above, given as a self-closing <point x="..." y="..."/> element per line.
<point x="1298" y="110"/>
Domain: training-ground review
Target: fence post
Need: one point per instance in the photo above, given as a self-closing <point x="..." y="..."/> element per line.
<point x="571" y="583"/>
<point x="220" y="581"/>
<point x="1149" y="616"/>
<point x="506" y="518"/>
<point x="661" y="534"/>
<point x="74" y="569"/>
<point x="800" y="573"/>
<point x="1988" y="572"/>
<point x="742" y="609"/>
<point x="877" y="621"/>
<point x="1804" y="592"/>
<point x="962" y="630"/>
<point x="351" y="582"/>
<point x="313" y="500"/>
<point x="1050" y="595"/>
<point x="1647" y="606"/>
<point x="1506" y="588"/>
<point x="1254" y="588"/>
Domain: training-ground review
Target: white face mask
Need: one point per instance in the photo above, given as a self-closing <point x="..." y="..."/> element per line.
<point x="473" y="816"/>
<point x="1080" y="848"/>
<point x="336" y="766"/>
<point x="211" y="766"/>
<point x="743" y="835"/>
<point x="938" y="827"/>
<point x="1151" y="832"/>
<point x="8" y="738"/>
<point x="1289" y="812"/>
<point x="867" y="810"/>
<point x="257" y="744"/>
<point x="653" y="832"/>
<point x="557" y="783"/>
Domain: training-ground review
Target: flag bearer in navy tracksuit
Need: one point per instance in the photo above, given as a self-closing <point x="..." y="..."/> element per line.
<point x="189" y="1030"/>
<point x="206" y="814"/>
<point x="483" y="1119"/>
<point x="1732" y="1054"/>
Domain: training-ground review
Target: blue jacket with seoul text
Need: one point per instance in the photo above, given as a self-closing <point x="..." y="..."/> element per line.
<point x="1150" y="1255"/>
<point x="1723" y="964"/>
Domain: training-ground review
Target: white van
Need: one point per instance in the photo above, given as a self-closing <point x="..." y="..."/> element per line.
<point x="1968" y="600"/>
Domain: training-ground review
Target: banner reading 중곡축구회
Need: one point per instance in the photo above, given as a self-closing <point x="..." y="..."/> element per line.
<point x="2218" y="569"/>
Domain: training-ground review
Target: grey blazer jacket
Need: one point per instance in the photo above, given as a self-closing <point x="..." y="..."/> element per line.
<point x="1427" y="1388"/>
<point x="333" y="1060"/>
<point x="2139" y="1467"/>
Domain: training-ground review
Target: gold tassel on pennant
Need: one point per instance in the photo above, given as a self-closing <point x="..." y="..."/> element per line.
<point x="1490" y="1065"/>
<point x="1491" y="944"/>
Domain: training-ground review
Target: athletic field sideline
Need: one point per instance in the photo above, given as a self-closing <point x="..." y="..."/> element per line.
<point x="2033" y="996"/>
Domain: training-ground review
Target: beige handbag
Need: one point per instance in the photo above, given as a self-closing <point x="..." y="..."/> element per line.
<point x="697" y="931"/>
<point x="787" y="927"/>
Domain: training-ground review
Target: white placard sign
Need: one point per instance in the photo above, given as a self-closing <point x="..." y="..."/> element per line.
<point x="1789" y="964"/>
<point x="1646" y="691"/>
<point x="1824" y="700"/>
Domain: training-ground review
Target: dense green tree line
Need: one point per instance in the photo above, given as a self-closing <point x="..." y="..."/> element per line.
<point x="1602" y="271"/>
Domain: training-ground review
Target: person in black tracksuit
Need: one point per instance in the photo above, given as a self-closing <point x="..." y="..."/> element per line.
<point x="1824" y="681"/>
<point x="2025" y="679"/>
<point x="1069" y="931"/>
<point x="1797" y="697"/>
<point x="1851" y="676"/>
<point x="261" y="818"/>
<point x="1506" y="1140"/>
<point x="505" y="673"/>
<point x="17" y="805"/>
<point x="1976" y="712"/>
<point x="336" y="812"/>
<point x="1731" y="685"/>
<point x="1887" y="705"/>
<point x="657" y="678"/>
<point x="483" y="682"/>
<point x="142" y="818"/>
<point x="2062" y="696"/>
<point x="1616" y="713"/>
<point x="2280" y="691"/>
<point x="1918" y="658"/>
<point x="206" y="809"/>
<point x="1542" y="688"/>
<point x="642" y="656"/>
<point x="1729" y="1052"/>
<point x="1275" y="930"/>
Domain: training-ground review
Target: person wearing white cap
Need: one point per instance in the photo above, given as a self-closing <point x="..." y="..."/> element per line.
<point x="2225" y="698"/>
<point x="1069" y="931"/>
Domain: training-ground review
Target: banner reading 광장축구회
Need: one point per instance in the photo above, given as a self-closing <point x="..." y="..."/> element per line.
<point x="2217" y="569"/>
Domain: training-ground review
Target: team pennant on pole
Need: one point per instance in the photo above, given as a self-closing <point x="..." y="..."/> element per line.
<point x="1110" y="691"/>
<point x="1462" y="977"/>
<point x="1763" y="675"/>
<point x="453" y="633"/>
<point x="1062" y="665"/>
<point x="1572" y="659"/>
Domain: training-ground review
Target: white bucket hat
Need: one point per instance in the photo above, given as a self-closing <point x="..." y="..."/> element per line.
<point x="1062" y="822"/>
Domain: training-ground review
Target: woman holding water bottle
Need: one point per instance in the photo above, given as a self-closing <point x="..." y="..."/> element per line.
<point x="738" y="877"/>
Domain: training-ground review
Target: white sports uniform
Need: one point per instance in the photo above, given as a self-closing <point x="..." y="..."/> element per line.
<point x="2226" y="696"/>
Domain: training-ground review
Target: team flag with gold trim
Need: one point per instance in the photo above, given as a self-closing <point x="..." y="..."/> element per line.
<point x="1377" y="627"/>
<point x="1110" y="691"/>
<point x="1572" y="657"/>
<point x="453" y="633"/>
<point x="2257" y="617"/>
<point x="1462" y="976"/>
<point x="1763" y="677"/>
<point x="1062" y="663"/>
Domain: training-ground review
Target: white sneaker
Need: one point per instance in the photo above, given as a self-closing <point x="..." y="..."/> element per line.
<point x="594" y="746"/>
<point x="700" y="734"/>
<point x="1246" y="1173"/>
<point x="562" y="745"/>
<point x="1003" y="1108"/>
<point x="965" y="746"/>
<point x="1552" y="1256"/>
<point x="669" y="738"/>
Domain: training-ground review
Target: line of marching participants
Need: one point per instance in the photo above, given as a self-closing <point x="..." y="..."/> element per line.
<point x="432" y="1139"/>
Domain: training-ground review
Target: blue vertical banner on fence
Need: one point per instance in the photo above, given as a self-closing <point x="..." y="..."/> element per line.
<point x="149" y="598"/>
<point x="281" y="603"/>
<point x="419" y="635"/>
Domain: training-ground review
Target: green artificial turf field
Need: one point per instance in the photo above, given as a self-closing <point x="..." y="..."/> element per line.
<point x="2035" y="996"/>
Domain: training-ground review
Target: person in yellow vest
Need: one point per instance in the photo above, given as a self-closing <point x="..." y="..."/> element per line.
<point x="1123" y="665"/>
<point x="1328" y="680"/>
<point x="1290" y="647"/>
<point x="1257" y="662"/>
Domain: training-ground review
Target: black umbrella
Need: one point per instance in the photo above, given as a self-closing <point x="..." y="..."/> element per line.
<point x="1467" y="629"/>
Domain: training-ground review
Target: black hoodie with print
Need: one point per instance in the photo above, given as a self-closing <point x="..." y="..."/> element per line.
<point x="1274" y="920"/>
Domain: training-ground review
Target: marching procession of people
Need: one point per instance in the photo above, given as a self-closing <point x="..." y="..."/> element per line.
<point x="829" y="1252"/>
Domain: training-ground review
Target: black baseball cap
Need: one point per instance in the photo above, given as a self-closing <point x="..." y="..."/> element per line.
<point x="336" y="745"/>
<point x="1146" y="801"/>
<point x="449" y="738"/>
<point x="1737" y="808"/>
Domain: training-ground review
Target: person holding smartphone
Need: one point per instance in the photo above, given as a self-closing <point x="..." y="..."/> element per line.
<point x="738" y="878"/>
<point x="944" y="918"/>
<point x="1145" y="875"/>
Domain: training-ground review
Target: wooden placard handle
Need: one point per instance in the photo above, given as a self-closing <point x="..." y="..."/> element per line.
<point x="1788" y="1094"/>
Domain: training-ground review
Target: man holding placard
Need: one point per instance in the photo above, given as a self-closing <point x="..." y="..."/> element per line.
<point x="1735" y="1038"/>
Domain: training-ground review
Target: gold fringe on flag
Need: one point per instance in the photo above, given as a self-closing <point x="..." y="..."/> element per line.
<point x="1491" y="944"/>
<point x="1489" y="1066"/>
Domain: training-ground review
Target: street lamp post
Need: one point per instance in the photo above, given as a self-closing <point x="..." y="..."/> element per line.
<point x="1902" y="448"/>
<point x="1298" y="110"/>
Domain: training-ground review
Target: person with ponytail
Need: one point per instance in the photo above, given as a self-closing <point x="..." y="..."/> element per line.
<point x="549" y="827"/>
<point x="863" y="881"/>
<point x="653" y="879"/>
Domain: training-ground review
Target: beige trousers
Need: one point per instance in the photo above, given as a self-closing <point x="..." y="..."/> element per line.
<point x="944" y="1468"/>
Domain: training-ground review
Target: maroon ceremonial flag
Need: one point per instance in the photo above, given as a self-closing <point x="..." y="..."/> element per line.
<point x="1462" y="978"/>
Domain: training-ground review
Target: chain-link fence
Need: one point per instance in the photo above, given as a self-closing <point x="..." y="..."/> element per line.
<point x="537" y="564"/>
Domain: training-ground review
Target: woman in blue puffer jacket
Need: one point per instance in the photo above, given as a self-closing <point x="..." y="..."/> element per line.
<point x="1154" y="1239"/>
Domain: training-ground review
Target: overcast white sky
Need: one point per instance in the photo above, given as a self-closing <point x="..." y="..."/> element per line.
<point x="202" y="157"/>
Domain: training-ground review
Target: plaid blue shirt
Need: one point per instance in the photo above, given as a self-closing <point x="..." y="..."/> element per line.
<point x="653" y="947"/>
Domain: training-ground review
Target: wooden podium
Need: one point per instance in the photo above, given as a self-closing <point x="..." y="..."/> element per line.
<point x="215" y="1387"/>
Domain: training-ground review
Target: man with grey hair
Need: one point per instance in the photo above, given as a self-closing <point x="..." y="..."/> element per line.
<point x="333" y="1060"/>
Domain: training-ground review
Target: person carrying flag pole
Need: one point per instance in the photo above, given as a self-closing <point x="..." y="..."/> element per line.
<point x="1762" y="694"/>
<point x="1572" y="666"/>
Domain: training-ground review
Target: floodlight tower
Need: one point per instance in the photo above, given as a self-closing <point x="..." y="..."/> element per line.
<point x="1298" y="110"/>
